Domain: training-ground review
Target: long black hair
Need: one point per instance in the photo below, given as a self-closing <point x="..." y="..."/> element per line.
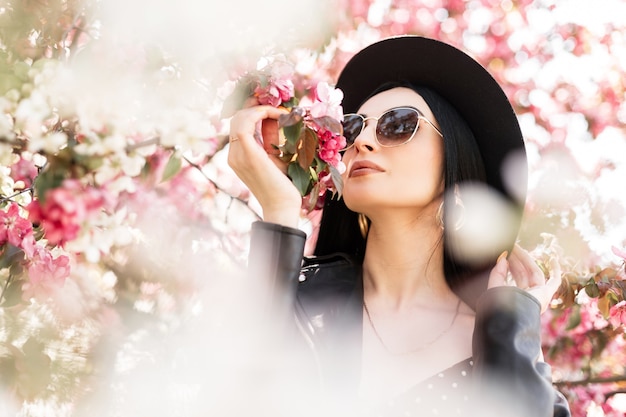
<point x="339" y="228"/>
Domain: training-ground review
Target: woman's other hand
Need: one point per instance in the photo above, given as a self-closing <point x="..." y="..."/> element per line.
<point x="253" y="156"/>
<point x="527" y="276"/>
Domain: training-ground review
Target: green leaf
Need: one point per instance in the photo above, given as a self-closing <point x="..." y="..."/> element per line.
<point x="291" y="124"/>
<point x="172" y="167"/>
<point x="604" y="305"/>
<point x="299" y="177"/>
<point x="90" y="162"/>
<point x="574" y="319"/>
<point x="592" y="289"/>
<point x="10" y="256"/>
<point x="48" y="180"/>
<point x="292" y="135"/>
<point x="307" y="148"/>
<point x="612" y="297"/>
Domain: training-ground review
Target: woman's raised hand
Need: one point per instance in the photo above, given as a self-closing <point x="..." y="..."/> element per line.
<point x="527" y="276"/>
<point x="254" y="157"/>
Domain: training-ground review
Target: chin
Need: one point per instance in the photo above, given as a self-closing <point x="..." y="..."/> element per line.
<point x="363" y="200"/>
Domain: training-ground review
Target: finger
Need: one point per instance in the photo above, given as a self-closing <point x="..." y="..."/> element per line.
<point x="244" y="122"/>
<point x="554" y="282"/>
<point x="497" y="276"/>
<point x="519" y="271"/>
<point x="524" y="269"/>
<point x="245" y="156"/>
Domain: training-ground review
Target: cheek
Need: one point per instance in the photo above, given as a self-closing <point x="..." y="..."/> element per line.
<point x="346" y="158"/>
<point x="421" y="177"/>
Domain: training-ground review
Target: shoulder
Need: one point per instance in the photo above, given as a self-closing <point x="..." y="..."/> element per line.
<point x="328" y="284"/>
<point x="334" y="271"/>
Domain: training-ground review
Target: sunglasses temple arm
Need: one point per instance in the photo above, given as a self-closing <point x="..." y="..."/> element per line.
<point x="433" y="126"/>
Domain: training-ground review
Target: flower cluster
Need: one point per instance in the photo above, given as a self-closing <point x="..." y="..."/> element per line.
<point x="617" y="314"/>
<point x="20" y="250"/>
<point x="65" y="209"/>
<point x="277" y="87"/>
<point x="583" y="331"/>
<point x="311" y="133"/>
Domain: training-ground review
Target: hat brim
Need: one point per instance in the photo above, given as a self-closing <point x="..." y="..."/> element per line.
<point x="458" y="78"/>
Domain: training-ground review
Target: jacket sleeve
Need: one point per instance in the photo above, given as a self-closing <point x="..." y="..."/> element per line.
<point x="274" y="265"/>
<point x="511" y="380"/>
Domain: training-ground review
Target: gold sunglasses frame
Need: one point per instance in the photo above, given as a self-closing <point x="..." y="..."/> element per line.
<point x="365" y="119"/>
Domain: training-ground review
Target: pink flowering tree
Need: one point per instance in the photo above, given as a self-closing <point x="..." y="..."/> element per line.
<point x="122" y="230"/>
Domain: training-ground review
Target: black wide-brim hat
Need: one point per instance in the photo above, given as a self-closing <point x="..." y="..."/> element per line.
<point x="458" y="78"/>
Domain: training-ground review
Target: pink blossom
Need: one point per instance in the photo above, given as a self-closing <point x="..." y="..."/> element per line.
<point x="330" y="145"/>
<point x="269" y="95"/>
<point x="609" y="410"/>
<point x="276" y="92"/>
<point x="43" y="268"/>
<point x="25" y="171"/>
<point x="183" y="192"/>
<point x="591" y="317"/>
<point x="279" y="88"/>
<point x="552" y="323"/>
<point x="617" y="314"/>
<point x="619" y="252"/>
<point x="46" y="274"/>
<point x="29" y="245"/>
<point x="581" y="398"/>
<point x="13" y="227"/>
<point x="327" y="102"/>
<point x="65" y="209"/>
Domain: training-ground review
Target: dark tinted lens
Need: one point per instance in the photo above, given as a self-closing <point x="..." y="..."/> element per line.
<point x="396" y="126"/>
<point x="352" y="126"/>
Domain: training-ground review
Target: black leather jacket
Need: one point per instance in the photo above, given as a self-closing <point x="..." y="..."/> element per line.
<point x="325" y="295"/>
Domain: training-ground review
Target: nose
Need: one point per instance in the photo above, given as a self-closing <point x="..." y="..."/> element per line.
<point x="366" y="140"/>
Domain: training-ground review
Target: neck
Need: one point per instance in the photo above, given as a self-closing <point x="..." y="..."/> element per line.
<point x="403" y="262"/>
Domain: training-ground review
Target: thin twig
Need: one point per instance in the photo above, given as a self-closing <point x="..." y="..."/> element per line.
<point x="16" y="144"/>
<point x="152" y="141"/>
<point x="606" y="380"/>
<point x="612" y="393"/>
<point x="11" y="197"/>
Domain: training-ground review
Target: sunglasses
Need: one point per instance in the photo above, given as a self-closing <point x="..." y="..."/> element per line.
<point x="394" y="127"/>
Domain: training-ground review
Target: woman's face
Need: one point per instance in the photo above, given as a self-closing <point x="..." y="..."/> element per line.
<point x="408" y="176"/>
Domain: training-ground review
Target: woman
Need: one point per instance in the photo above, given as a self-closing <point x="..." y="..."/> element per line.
<point x="399" y="314"/>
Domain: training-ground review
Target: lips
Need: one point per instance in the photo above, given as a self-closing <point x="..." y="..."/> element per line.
<point x="360" y="168"/>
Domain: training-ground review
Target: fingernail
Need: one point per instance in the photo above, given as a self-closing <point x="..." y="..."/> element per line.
<point x="502" y="255"/>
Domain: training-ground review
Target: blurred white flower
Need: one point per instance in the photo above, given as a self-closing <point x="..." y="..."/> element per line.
<point x="50" y="143"/>
<point x="31" y="114"/>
